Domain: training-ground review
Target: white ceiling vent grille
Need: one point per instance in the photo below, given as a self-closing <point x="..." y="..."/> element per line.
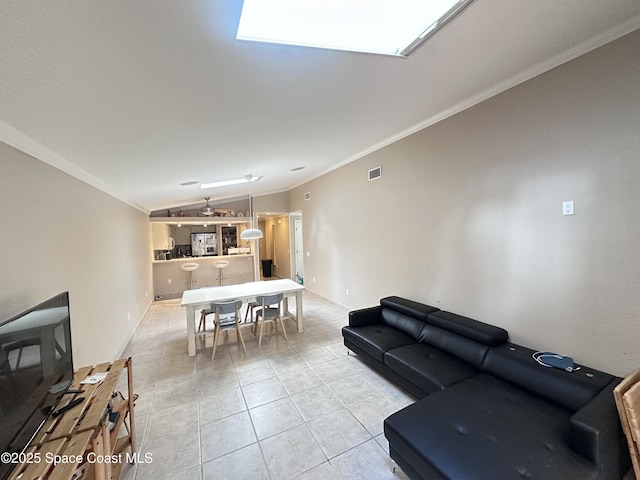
<point x="307" y="196"/>
<point x="375" y="173"/>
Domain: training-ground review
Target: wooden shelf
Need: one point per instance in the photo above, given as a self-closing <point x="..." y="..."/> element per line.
<point x="84" y="430"/>
<point x="200" y="220"/>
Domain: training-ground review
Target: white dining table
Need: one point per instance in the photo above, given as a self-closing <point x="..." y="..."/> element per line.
<point x="195" y="300"/>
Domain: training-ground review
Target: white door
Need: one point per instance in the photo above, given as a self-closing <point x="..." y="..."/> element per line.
<point x="297" y="239"/>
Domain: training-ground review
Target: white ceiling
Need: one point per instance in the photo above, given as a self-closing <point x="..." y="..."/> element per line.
<point x="136" y="97"/>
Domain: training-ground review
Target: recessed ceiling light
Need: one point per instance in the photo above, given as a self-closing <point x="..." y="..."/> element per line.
<point x="226" y="183"/>
<point x="190" y="182"/>
<point x="391" y="27"/>
<point x="297" y="169"/>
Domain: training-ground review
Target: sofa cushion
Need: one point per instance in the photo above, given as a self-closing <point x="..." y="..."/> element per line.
<point x="375" y="340"/>
<point x="408" y="307"/>
<point x="428" y="367"/>
<point x="404" y="323"/>
<point x="468" y="327"/>
<point x="486" y="428"/>
<point x="571" y="390"/>
<point x="461" y="347"/>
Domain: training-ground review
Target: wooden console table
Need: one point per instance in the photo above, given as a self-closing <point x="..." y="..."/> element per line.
<point x="81" y="436"/>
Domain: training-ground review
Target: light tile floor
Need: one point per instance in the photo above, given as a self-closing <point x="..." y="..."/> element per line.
<point x="300" y="409"/>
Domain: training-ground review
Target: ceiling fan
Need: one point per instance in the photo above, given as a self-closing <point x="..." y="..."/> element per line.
<point x="207" y="209"/>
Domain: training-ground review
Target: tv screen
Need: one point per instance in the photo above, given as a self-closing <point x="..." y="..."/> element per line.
<point x="36" y="368"/>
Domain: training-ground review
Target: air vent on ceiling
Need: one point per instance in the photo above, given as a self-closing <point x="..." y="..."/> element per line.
<point x="307" y="196"/>
<point x="375" y="173"/>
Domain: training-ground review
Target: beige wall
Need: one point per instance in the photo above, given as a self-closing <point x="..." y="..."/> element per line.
<point x="60" y="234"/>
<point x="275" y="202"/>
<point x="467" y="215"/>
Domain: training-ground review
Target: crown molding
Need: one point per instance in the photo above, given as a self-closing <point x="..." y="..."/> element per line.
<point x="18" y="140"/>
<point x="606" y="36"/>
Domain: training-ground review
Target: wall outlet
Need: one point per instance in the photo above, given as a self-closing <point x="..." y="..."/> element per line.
<point x="169" y="281"/>
<point x="347" y="291"/>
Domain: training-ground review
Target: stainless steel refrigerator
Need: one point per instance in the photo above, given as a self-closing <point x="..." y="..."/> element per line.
<point x="203" y="244"/>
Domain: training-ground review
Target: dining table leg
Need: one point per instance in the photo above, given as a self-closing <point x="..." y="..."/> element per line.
<point x="191" y="330"/>
<point x="299" y="318"/>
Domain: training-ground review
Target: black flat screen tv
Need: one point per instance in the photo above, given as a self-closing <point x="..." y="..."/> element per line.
<point x="36" y="369"/>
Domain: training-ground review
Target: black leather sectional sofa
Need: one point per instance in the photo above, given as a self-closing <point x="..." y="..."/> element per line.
<point x="486" y="409"/>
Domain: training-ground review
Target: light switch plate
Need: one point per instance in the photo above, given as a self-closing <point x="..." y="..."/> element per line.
<point x="567" y="208"/>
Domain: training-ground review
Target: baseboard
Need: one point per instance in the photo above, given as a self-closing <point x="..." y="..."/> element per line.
<point x="128" y="341"/>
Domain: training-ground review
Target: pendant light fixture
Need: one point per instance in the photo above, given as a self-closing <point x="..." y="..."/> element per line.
<point x="251" y="233"/>
<point x="207" y="210"/>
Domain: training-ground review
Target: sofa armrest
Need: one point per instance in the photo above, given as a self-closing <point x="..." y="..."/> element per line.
<point x="595" y="433"/>
<point x="365" y="316"/>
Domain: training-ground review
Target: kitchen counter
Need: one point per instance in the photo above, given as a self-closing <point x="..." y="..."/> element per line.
<point x="206" y="258"/>
<point x="169" y="280"/>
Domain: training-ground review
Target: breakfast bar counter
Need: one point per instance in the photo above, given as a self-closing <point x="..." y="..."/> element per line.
<point x="169" y="280"/>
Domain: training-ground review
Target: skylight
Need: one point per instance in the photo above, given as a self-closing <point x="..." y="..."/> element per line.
<point x="389" y="27"/>
<point x="235" y="181"/>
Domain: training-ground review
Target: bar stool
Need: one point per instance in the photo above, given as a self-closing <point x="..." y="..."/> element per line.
<point x="220" y="265"/>
<point x="189" y="267"/>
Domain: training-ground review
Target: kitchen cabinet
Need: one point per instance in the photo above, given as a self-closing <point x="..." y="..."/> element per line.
<point x="183" y="235"/>
<point x="162" y="239"/>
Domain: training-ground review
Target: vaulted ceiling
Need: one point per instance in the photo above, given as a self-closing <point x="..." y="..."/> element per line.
<point x="137" y="97"/>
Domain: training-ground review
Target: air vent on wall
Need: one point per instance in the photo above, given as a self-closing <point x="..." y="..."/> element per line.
<point x="375" y="173"/>
<point x="307" y="196"/>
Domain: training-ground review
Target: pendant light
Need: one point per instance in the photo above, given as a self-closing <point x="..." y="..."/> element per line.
<point x="207" y="210"/>
<point x="251" y="233"/>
